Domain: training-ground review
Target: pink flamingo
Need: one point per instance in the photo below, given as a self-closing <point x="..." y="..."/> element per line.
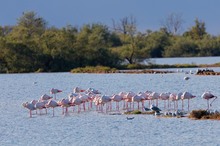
<point x="117" y="99"/>
<point x="128" y="98"/>
<point x="77" y="90"/>
<point x="164" y="97"/>
<point x="55" y="91"/>
<point x="208" y="96"/>
<point x="64" y="103"/>
<point x="138" y="98"/>
<point x="45" y="97"/>
<point x="30" y="107"/>
<point x="76" y="101"/>
<point x="51" y="103"/>
<point x="186" y="95"/>
<point x="154" y="96"/>
<point x="92" y="90"/>
<point x="84" y="98"/>
<point x="41" y="105"/>
<point x="105" y="100"/>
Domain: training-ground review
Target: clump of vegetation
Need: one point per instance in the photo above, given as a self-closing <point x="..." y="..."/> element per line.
<point x="204" y="114"/>
<point x="136" y="112"/>
<point x="92" y="69"/>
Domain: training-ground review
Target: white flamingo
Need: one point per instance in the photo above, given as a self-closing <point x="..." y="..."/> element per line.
<point x="76" y="101"/>
<point x="154" y="96"/>
<point x="41" y="105"/>
<point x="138" y="98"/>
<point x="51" y="103"/>
<point x="92" y="90"/>
<point x="117" y="99"/>
<point x="45" y="97"/>
<point x="165" y="97"/>
<point x="104" y="100"/>
<point x="186" y="95"/>
<point x="208" y="96"/>
<point x="30" y="107"/>
<point x="64" y="103"/>
<point x="77" y="90"/>
<point x="55" y="91"/>
<point x="128" y="98"/>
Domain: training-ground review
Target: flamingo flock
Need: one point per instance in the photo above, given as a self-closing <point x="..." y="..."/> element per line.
<point x="81" y="99"/>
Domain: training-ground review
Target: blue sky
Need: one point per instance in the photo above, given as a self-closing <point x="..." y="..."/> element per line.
<point x="148" y="13"/>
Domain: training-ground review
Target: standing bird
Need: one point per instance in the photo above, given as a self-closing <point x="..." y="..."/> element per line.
<point x="55" y="91"/>
<point x="186" y="95"/>
<point x="78" y="90"/>
<point x="155" y="108"/>
<point x="117" y="98"/>
<point x="51" y="103"/>
<point x="45" y="97"/>
<point x="207" y="96"/>
<point x="30" y="107"/>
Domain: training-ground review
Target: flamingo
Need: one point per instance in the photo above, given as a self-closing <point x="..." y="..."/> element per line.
<point x="117" y="99"/>
<point x="178" y="97"/>
<point x="84" y="98"/>
<point x="30" y="107"/>
<point x="137" y="98"/>
<point x="76" y="101"/>
<point x="154" y="96"/>
<point x="45" y="97"/>
<point x="186" y="95"/>
<point x="41" y="105"/>
<point x="64" y="103"/>
<point x="51" y="103"/>
<point x="92" y="90"/>
<point x="104" y="100"/>
<point x="55" y="91"/>
<point x="128" y="98"/>
<point x="164" y="97"/>
<point x="208" y="96"/>
<point x="77" y="90"/>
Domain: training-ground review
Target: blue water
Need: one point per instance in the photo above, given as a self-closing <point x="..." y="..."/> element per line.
<point x="92" y="128"/>
<point x="186" y="60"/>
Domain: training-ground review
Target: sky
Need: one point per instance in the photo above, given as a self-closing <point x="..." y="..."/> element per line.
<point x="148" y="13"/>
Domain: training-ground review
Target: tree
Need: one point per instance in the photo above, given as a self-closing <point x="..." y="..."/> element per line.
<point x="198" y="31"/>
<point x="181" y="47"/>
<point x="173" y="23"/>
<point x="156" y="42"/>
<point x="127" y="28"/>
<point x="32" y="23"/>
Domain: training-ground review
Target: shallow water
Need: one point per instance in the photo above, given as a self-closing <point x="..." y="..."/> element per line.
<point x="92" y="128"/>
<point x="186" y="60"/>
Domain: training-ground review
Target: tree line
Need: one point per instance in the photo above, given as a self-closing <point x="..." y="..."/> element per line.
<point x="31" y="45"/>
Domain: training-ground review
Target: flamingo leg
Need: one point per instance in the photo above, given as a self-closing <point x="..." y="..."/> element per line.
<point x="188" y="104"/>
<point x="208" y="103"/>
<point x="182" y="104"/>
<point x="30" y="114"/>
<point x="53" y="111"/>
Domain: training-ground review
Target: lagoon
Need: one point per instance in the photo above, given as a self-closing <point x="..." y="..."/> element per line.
<point x="94" y="128"/>
<point x="186" y="60"/>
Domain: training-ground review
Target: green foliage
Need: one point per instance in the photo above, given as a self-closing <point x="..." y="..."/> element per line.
<point x="31" y="46"/>
<point x="198" y="31"/>
<point x="182" y="47"/>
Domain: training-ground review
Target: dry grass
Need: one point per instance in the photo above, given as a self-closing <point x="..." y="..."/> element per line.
<point x="204" y="114"/>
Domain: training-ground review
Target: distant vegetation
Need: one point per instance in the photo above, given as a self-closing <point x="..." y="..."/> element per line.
<point x="32" y="46"/>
